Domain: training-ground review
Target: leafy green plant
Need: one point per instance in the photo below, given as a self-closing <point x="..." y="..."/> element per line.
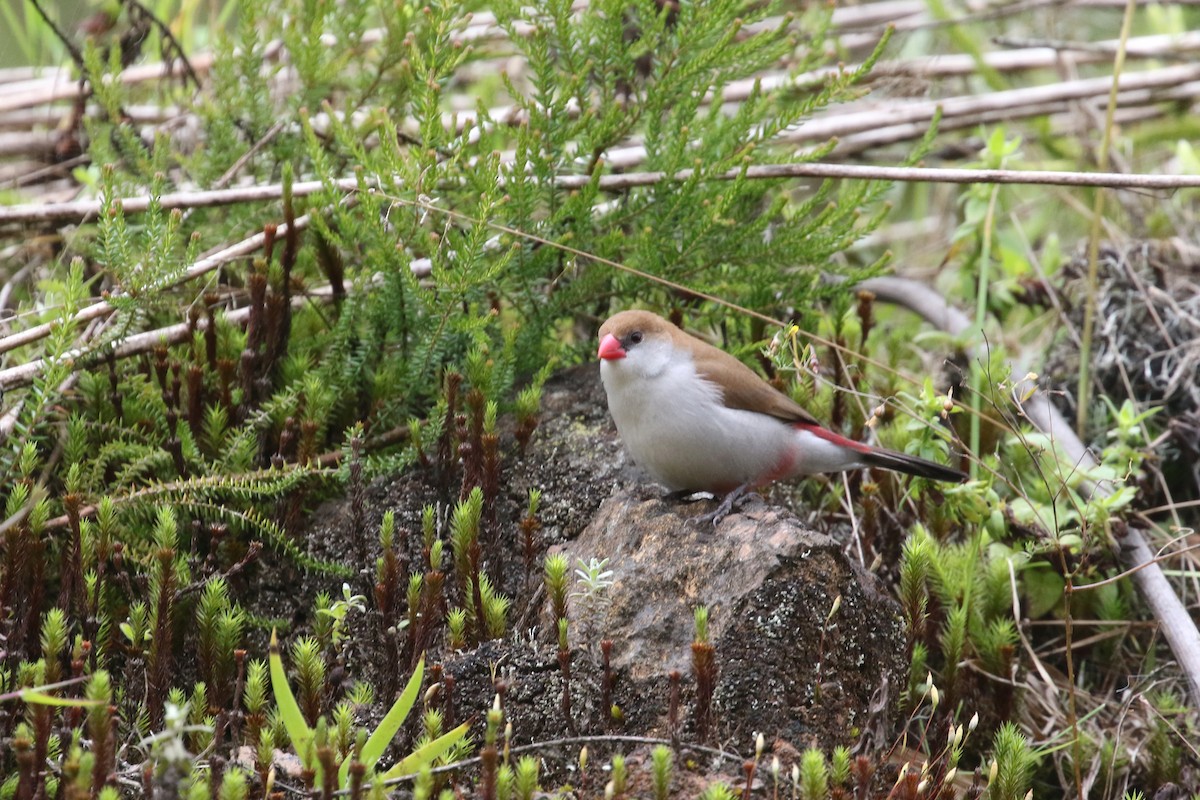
<point x="718" y="791"/>
<point x="814" y="775"/>
<point x="471" y="227"/>
<point x="338" y="612"/>
<point x="219" y="626"/>
<point x="617" y="784"/>
<point x="302" y="736"/>
<point x="661" y="767"/>
<point x="839" y="767"/>
<point x="557" y="581"/>
<point x="526" y="778"/>
<point x="1012" y="765"/>
<point x="590" y="598"/>
<point x="1165" y="748"/>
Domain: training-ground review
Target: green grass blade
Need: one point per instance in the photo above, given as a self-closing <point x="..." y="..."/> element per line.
<point x="427" y="754"/>
<point x="386" y="731"/>
<point x="43" y="699"/>
<point x="289" y="710"/>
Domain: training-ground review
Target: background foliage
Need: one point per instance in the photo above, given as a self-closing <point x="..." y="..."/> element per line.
<point x="437" y="234"/>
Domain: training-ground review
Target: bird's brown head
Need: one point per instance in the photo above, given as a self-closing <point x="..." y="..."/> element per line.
<point x="626" y="330"/>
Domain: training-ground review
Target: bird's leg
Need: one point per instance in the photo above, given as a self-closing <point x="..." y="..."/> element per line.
<point x="689" y="495"/>
<point x="727" y="504"/>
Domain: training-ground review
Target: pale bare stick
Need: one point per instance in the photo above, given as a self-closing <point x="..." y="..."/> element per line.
<point x="82" y="210"/>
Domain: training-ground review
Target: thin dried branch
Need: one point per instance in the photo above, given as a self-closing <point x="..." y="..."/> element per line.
<point x="87" y="210"/>
<point x="1112" y="180"/>
<point x="1012" y="101"/>
<point x="84" y="210"/>
<point x="26" y="88"/>
<point x="20" y="94"/>
<point x="60" y="85"/>
<point x="54" y="86"/>
<point x="1158" y="47"/>
<point x="1154" y="85"/>
<point x="1063" y="119"/>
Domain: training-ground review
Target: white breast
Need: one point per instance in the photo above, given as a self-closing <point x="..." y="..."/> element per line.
<point x="676" y="427"/>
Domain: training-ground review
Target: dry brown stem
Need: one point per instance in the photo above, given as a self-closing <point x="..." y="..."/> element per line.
<point x="83" y="210"/>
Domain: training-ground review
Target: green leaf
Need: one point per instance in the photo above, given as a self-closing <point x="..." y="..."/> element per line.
<point x="289" y="710"/>
<point x="1043" y="591"/>
<point x="426" y="754"/>
<point x="43" y="699"/>
<point x="388" y="726"/>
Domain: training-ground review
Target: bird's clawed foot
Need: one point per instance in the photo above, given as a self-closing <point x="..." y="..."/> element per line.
<point x="727" y="505"/>
<point x="688" y="496"/>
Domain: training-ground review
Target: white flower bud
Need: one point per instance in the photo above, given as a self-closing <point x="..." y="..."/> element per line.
<point x="837" y="604"/>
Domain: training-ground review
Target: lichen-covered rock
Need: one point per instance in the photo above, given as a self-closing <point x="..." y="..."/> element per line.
<point x="789" y="663"/>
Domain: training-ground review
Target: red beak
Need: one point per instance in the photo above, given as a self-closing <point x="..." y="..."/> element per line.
<point x="610" y="348"/>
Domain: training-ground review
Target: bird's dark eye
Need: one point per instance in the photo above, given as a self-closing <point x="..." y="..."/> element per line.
<point x="635" y="337"/>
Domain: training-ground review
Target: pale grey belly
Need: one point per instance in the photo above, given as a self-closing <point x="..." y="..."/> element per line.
<point x="717" y="450"/>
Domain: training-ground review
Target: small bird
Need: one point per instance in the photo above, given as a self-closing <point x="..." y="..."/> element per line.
<point x="697" y="419"/>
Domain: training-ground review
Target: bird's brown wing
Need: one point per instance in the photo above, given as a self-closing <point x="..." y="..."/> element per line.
<point x="743" y="388"/>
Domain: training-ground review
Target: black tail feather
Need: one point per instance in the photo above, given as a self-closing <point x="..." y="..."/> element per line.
<point x="911" y="465"/>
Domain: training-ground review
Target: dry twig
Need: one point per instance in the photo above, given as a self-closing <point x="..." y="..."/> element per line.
<point x="83" y="210"/>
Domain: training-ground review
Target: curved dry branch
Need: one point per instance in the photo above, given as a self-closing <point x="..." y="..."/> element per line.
<point x="80" y="211"/>
<point x="83" y="210"/>
<point x="1176" y="623"/>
